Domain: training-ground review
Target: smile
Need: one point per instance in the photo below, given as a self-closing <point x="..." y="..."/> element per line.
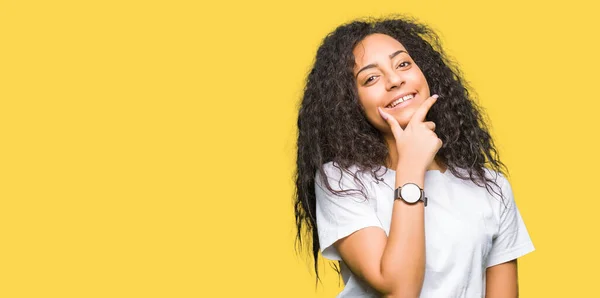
<point x="400" y="100"/>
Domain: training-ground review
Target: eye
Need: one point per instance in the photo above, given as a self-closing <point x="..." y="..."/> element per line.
<point x="404" y="64"/>
<point x="369" y="79"/>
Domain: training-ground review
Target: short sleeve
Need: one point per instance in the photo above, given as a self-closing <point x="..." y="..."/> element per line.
<point x="512" y="239"/>
<point x="341" y="215"/>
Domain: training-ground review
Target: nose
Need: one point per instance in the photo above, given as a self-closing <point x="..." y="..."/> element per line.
<point x="394" y="80"/>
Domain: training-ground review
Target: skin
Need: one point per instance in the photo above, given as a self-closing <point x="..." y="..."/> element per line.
<point x="501" y="280"/>
<point x="395" y="265"/>
<point x="380" y="79"/>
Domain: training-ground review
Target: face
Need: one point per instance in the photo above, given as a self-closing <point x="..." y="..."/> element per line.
<point x="387" y="77"/>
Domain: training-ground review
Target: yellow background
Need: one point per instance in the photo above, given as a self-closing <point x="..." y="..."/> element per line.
<point x="147" y="147"/>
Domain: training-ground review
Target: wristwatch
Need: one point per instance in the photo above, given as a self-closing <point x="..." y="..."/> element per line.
<point x="410" y="193"/>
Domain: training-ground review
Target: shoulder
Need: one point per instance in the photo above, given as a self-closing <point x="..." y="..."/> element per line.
<point x="489" y="174"/>
<point x="343" y="179"/>
<point x="335" y="172"/>
<point x="496" y="176"/>
<point x="496" y="185"/>
<point x="503" y="197"/>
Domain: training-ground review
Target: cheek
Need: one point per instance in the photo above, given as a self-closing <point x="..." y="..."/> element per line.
<point x="372" y="116"/>
<point x="419" y="76"/>
<point x="371" y="98"/>
<point x="369" y="101"/>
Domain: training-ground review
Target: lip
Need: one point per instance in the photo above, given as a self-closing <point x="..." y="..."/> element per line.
<point x="402" y="104"/>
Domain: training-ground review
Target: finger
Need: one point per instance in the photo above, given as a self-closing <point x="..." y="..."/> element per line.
<point x="421" y="112"/>
<point x="430" y="125"/>
<point x="391" y="121"/>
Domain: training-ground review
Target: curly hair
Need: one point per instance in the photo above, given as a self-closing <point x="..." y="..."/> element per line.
<point x="332" y="126"/>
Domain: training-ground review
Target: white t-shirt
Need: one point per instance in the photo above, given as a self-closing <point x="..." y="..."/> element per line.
<point x="466" y="228"/>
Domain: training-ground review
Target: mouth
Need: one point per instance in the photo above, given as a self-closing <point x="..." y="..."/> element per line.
<point x="400" y="99"/>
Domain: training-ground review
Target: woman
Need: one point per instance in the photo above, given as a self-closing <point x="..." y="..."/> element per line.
<point x="397" y="176"/>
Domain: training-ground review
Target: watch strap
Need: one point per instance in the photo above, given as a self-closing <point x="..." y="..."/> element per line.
<point x="422" y="198"/>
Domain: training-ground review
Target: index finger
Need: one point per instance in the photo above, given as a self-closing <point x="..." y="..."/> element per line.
<point x="392" y="122"/>
<point x="419" y="115"/>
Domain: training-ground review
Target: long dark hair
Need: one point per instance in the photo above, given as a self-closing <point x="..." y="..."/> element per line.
<point x="333" y="128"/>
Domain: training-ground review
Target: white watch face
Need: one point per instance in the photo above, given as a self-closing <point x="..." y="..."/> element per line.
<point x="410" y="193"/>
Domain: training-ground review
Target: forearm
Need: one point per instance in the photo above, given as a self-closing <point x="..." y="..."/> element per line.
<point x="403" y="260"/>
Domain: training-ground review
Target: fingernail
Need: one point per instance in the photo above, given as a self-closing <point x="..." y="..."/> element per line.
<point x="382" y="113"/>
<point x="435" y="96"/>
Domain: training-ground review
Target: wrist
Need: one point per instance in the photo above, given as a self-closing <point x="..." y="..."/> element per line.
<point x="406" y="173"/>
<point x="408" y="166"/>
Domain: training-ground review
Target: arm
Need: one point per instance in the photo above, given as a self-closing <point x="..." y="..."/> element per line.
<point x="512" y="242"/>
<point x="501" y="281"/>
<point x="396" y="264"/>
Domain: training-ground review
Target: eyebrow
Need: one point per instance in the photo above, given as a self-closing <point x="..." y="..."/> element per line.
<point x="396" y="53"/>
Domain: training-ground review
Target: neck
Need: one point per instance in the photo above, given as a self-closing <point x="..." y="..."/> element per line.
<point x="392" y="161"/>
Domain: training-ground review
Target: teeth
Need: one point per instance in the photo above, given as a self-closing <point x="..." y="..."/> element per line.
<point x="400" y="100"/>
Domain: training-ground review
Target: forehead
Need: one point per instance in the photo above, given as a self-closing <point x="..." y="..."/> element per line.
<point x="374" y="47"/>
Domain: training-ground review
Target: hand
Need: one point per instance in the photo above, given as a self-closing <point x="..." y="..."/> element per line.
<point x="416" y="144"/>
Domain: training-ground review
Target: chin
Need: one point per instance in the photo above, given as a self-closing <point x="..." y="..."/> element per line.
<point x="404" y="117"/>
